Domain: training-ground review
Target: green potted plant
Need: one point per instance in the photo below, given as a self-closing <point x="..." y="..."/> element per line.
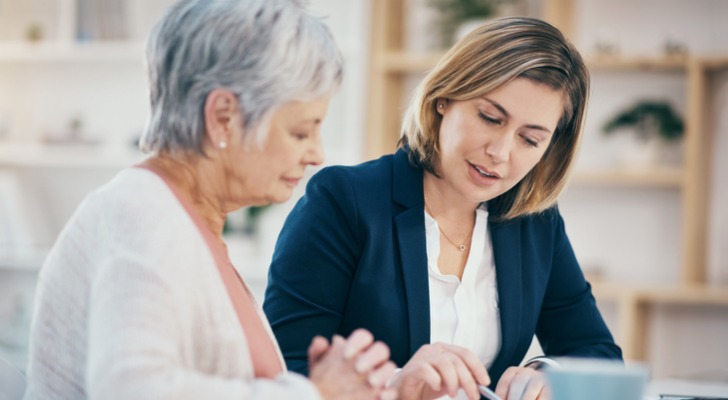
<point x="652" y="123"/>
<point x="457" y="17"/>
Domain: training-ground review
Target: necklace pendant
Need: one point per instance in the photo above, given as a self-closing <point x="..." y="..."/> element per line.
<point x="462" y="247"/>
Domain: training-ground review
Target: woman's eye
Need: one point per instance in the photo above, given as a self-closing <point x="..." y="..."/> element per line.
<point x="301" y="136"/>
<point x="529" y="141"/>
<point x="490" y="120"/>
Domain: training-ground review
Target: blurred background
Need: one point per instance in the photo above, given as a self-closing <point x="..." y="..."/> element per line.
<point x="645" y="209"/>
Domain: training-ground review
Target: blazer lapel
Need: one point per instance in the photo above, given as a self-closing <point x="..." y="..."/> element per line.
<point x="506" y="237"/>
<point x="409" y="221"/>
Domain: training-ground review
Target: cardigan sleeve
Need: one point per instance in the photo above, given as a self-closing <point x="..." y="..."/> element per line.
<point x="313" y="266"/>
<point x="134" y="350"/>
<point x="570" y="323"/>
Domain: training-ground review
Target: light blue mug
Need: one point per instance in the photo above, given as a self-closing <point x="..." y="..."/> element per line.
<point x="586" y="379"/>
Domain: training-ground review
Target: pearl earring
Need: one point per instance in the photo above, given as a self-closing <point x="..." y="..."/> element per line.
<point x="223" y="144"/>
<point x="441" y="106"/>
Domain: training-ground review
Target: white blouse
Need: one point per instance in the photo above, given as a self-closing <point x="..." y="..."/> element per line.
<point x="465" y="313"/>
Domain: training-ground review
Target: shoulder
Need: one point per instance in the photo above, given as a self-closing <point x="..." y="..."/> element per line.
<point x="135" y="209"/>
<point x="544" y="223"/>
<point x="345" y="183"/>
<point x="374" y="170"/>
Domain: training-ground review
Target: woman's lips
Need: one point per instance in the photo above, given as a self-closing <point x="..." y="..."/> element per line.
<point x="482" y="175"/>
<point x="292" y="181"/>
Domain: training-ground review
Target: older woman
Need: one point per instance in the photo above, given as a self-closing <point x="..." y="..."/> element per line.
<point x="452" y="250"/>
<point x="138" y="299"/>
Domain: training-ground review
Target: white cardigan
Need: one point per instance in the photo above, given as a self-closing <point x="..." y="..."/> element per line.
<point x="130" y="305"/>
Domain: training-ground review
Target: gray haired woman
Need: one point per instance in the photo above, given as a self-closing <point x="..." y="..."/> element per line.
<point x="138" y="299"/>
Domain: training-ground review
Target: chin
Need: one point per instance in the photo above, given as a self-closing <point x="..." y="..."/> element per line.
<point x="279" y="197"/>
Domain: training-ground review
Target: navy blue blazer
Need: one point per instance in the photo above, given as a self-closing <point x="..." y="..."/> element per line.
<point x="352" y="254"/>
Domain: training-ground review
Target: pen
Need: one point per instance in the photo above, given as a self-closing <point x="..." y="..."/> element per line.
<point x="488" y="393"/>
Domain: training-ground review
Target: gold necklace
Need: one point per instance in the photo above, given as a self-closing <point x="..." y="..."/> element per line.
<point x="461" y="246"/>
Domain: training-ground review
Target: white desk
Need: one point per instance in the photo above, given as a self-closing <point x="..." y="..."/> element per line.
<point x="674" y="386"/>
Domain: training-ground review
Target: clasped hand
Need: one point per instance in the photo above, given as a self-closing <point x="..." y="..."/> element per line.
<point x="354" y="368"/>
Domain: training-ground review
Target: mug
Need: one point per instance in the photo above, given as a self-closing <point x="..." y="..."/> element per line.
<point x="589" y="379"/>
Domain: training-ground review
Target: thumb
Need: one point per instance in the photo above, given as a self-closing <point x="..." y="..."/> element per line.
<point x="319" y="346"/>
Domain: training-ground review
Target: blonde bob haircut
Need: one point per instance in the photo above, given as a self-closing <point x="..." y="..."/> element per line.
<point x="498" y="52"/>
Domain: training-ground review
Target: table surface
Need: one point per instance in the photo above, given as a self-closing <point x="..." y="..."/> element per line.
<point x="693" y="388"/>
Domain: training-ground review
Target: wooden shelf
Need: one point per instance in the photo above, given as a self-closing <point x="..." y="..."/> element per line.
<point x="72" y="52"/>
<point x="631" y="63"/>
<point x="407" y="62"/>
<point x="662" y="294"/>
<point x="649" y="178"/>
<point x="67" y="156"/>
<point x="714" y="63"/>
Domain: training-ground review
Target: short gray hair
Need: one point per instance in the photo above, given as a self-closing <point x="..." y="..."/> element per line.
<point x="266" y="52"/>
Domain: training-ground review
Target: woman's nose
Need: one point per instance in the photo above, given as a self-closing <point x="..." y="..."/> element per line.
<point x="315" y="155"/>
<point x="499" y="148"/>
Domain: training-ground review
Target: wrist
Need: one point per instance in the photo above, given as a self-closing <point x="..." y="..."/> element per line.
<point x="541" y="362"/>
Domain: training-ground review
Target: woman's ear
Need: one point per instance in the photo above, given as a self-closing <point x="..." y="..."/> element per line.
<point x="440" y="105"/>
<point x="221" y="108"/>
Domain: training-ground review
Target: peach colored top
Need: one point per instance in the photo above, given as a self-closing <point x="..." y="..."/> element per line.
<point x="266" y="363"/>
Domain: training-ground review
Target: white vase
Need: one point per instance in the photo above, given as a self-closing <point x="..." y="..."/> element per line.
<point x="638" y="153"/>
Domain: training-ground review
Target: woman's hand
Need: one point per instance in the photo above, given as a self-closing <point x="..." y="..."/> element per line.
<point x="522" y="383"/>
<point x="440" y="369"/>
<point x="357" y="368"/>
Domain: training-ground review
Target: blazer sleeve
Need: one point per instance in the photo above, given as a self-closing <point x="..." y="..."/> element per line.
<point x="570" y="323"/>
<point x="313" y="266"/>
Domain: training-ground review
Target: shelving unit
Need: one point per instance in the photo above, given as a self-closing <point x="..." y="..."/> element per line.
<point x="45" y="84"/>
<point x="391" y="64"/>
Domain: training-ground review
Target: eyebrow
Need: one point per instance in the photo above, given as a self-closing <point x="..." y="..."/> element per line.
<point x="504" y="112"/>
<point x="314" y="121"/>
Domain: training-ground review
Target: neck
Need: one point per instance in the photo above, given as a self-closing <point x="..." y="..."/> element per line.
<point x="445" y="202"/>
<point x="192" y="177"/>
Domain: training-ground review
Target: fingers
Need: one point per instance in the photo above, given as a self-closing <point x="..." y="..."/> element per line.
<point x="477" y="369"/>
<point x="467" y="381"/>
<point x="373" y="356"/>
<point x="359" y="340"/>
<point x="466" y="367"/>
<point x="519" y="383"/>
<point x="388" y="394"/>
<point x="317" y="349"/>
<point x="429" y="375"/>
<point x="335" y="376"/>
<point x="445" y="366"/>
<point x="504" y="383"/>
<point x="380" y="376"/>
<point x="535" y="386"/>
<point x="445" y="369"/>
<point x="338" y="345"/>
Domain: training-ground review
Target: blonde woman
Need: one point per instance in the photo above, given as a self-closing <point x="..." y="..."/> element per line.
<point x="138" y="299"/>
<point x="452" y="250"/>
